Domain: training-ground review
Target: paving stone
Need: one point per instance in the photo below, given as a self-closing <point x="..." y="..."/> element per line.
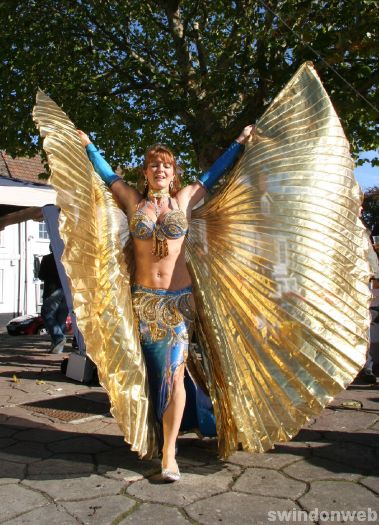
<point x="152" y="513"/>
<point x="364" y="437"/>
<point x="25" y="452"/>
<point x="42" y="435"/>
<point x="355" y="455"/>
<point x="4" y="399"/>
<point x="18" y="499"/>
<point x="124" y="464"/>
<point x="312" y="445"/>
<point x="338" y="495"/>
<point x="305" y="434"/>
<point x="195" y="456"/>
<point x="18" y="398"/>
<point x="61" y="466"/>
<point x="51" y="515"/>
<point x="87" y="444"/>
<point x="97" y="394"/>
<point x="344" y="420"/>
<point x="100" y="511"/>
<point x="321" y="468"/>
<point x="372" y="482"/>
<point x="77" y="488"/>
<point x="11" y="472"/>
<point x="6" y="431"/>
<point x="265" y="482"/>
<point x="190" y="441"/>
<point x="322" y="422"/>
<point x="92" y="427"/>
<point x="19" y="419"/>
<point x="110" y="433"/>
<point x="75" y="429"/>
<point x="6" y="442"/>
<point x="195" y="483"/>
<point x="296" y="448"/>
<point x="272" y="460"/>
<point x="235" y="508"/>
<point x="363" y="393"/>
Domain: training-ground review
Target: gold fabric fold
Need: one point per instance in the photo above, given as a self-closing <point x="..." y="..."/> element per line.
<point x="95" y="233"/>
<point x="278" y="258"/>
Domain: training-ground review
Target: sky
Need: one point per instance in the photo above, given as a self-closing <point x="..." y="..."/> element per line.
<point x="366" y="175"/>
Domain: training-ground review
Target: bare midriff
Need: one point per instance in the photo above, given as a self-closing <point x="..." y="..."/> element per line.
<point x="169" y="273"/>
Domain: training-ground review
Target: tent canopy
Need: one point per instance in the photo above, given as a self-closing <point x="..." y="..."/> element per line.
<point x="21" y="201"/>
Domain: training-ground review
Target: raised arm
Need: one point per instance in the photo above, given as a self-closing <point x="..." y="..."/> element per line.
<point x="127" y="196"/>
<point x="193" y="193"/>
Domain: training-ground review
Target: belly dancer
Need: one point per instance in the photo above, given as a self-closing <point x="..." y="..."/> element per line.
<point x="162" y="295"/>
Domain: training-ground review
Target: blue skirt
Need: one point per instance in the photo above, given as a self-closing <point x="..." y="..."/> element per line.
<point x="165" y="320"/>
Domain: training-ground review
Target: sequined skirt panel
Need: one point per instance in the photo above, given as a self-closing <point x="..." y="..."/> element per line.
<point x="165" y="319"/>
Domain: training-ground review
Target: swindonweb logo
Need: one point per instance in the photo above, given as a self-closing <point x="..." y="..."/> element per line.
<point x="339" y="516"/>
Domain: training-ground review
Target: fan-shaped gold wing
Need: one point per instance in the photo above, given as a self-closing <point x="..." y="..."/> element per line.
<point x="279" y="264"/>
<point x="95" y="231"/>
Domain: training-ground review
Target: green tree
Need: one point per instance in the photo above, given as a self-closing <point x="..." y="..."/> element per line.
<point x="370" y="208"/>
<point x="189" y="73"/>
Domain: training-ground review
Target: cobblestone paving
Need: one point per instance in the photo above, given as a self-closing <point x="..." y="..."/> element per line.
<point x="57" y="472"/>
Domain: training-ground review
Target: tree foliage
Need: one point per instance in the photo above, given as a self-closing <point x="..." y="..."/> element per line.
<point x="370" y="209"/>
<point x="189" y="73"/>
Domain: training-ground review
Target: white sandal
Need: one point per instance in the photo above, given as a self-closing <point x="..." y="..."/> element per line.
<point x="169" y="475"/>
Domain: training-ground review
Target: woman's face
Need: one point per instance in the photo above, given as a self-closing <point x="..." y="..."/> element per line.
<point x="159" y="173"/>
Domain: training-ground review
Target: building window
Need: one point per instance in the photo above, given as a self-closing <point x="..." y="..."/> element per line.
<point x="42" y="231"/>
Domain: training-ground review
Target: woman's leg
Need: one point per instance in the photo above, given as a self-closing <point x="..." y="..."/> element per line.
<point x="165" y="320"/>
<point x="172" y="419"/>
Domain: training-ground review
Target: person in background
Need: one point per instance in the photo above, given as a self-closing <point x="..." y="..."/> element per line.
<point x="54" y="307"/>
<point x="366" y="375"/>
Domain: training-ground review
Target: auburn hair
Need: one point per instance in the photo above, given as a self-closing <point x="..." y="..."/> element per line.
<point x="163" y="152"/>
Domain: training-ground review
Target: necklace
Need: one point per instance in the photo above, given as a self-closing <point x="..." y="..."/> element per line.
<point x="162" y="195"/>
<point x="158" y="193"/>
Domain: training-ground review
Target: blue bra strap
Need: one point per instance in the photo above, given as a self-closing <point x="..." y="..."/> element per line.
<point x="101" y="166"/>
<point x="218" y="168"/>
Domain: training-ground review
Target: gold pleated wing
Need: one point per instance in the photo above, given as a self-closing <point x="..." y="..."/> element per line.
<point x="94" y="231"/>
<point x="279" y="263"/>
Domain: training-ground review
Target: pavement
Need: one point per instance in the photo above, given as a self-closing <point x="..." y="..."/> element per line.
<point x="63" y="460"/>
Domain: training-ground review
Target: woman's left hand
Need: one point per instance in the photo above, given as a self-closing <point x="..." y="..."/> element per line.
<point x="84" y="138"/>
<point x="246" y="134"/>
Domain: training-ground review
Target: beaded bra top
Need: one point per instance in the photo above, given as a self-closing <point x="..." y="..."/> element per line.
<point x="172" y="225"/>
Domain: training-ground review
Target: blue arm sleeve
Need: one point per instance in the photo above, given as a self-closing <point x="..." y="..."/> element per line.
<point x="218" y="168"/>
<point x="101" y="166"/>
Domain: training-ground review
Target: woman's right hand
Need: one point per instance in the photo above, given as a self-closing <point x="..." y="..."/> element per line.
<point x="246" y="134"/>
<point x="84" y="138"/>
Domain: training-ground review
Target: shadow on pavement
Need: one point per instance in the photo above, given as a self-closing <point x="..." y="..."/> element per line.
<point x="49" y="453"/>
<point x="50" y="375"/>
<point x="43" y="452"/>
<point x="337" y="451"/>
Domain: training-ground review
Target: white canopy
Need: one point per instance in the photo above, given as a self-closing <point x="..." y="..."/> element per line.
<point x="21" y="201"/>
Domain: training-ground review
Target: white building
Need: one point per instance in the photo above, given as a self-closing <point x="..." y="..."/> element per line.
<point x="21" y="248"/>
<point x="22" y="242"/>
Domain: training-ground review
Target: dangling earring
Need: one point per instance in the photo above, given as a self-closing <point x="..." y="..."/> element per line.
<point x="145" y="183"/>
<point x="171" y="185"/>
